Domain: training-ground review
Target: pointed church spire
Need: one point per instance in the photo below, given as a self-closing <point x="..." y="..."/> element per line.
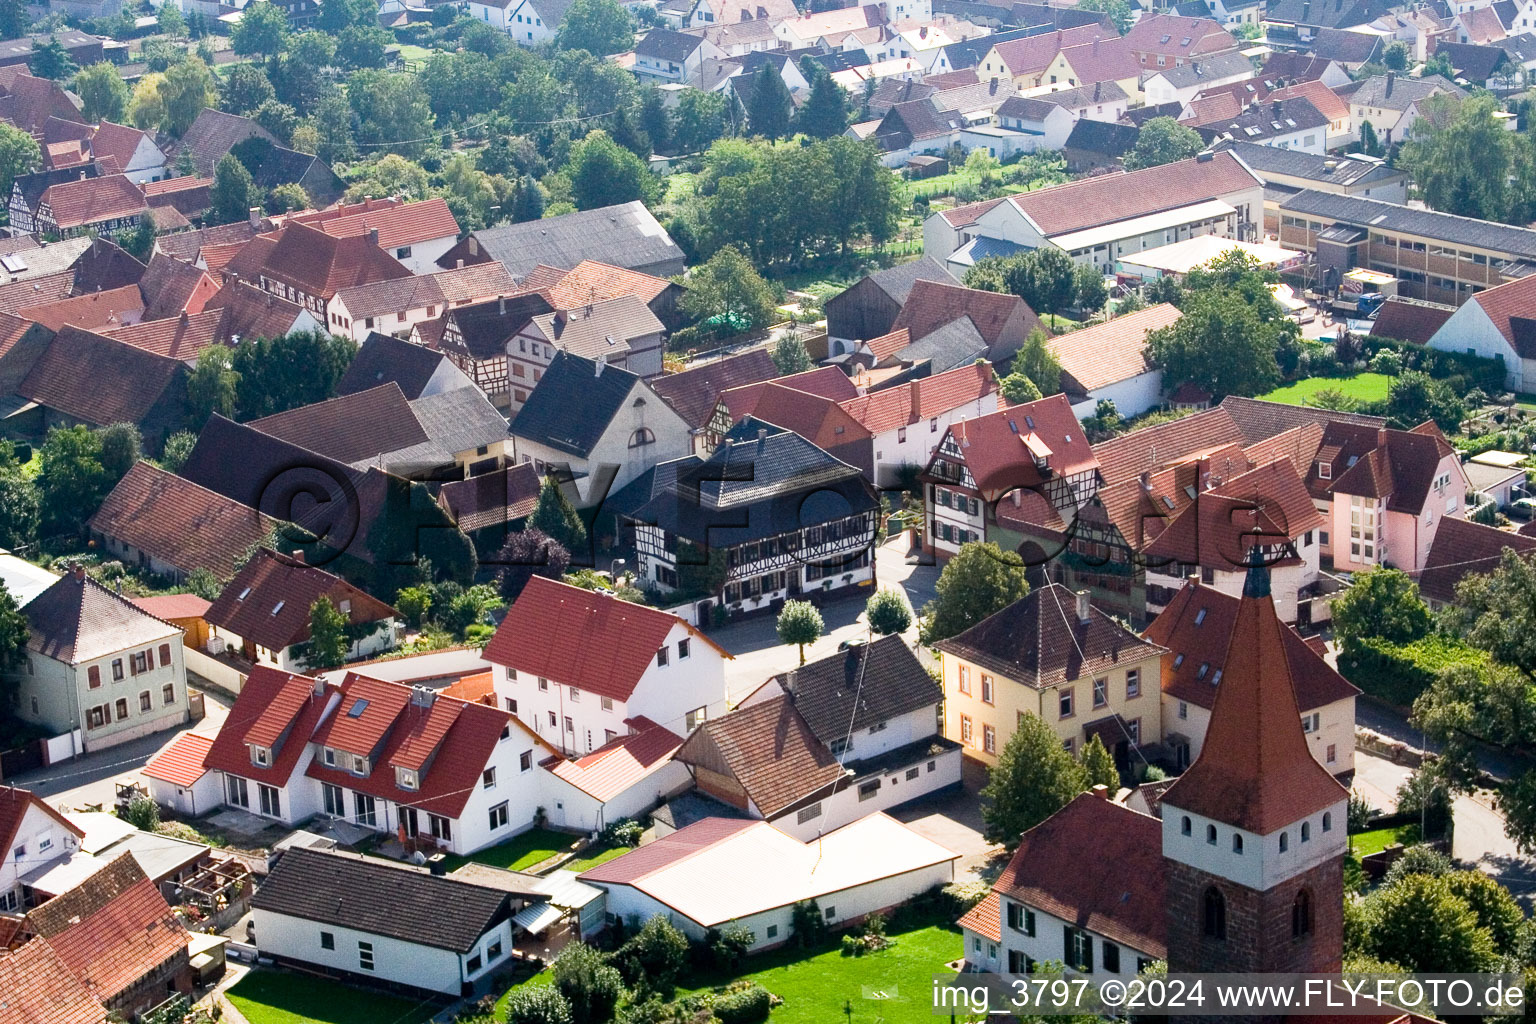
<point x="1257" y="583"/>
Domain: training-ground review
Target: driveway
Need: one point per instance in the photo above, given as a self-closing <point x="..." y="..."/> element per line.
<point x="953" y="820"/>
<point x="755" y="640"/>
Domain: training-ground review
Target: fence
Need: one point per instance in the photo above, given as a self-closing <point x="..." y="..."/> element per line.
<point x="220" y="674"/>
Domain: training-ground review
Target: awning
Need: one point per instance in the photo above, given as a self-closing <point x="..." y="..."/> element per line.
<point x="1111" y="730"/>
<point x="537" y="917"/>
<point x="1090" y="237"/>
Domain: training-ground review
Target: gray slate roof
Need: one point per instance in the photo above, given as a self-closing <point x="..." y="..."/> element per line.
<point x="1265" y="122"/>
<point x="894" y="683"/>
<point x="350" y="892"/>
<point x="1444" y="227"/>
<point x="1205" y="69"/>
<point x="955" y="344"/>
<point x="1399" y="93"/>
<point x="897" y="281"/>
<point x="624" y="236"/>
<point x="460" y="420"/>
<point x="383" y="358"/>
<point x="573" y="404"/>
<point x="1296" y="164"/>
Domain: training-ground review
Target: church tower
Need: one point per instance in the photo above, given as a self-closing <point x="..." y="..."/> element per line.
<point x="1254" y="831"/>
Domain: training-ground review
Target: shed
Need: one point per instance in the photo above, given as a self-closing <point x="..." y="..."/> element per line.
<point x="177" y="778"/>
<point x="927" y="166"/>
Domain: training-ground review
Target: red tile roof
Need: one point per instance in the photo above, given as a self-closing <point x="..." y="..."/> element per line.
<point x="173" y="606"/>
<point x="821" y="421"/>
<point x="447" y="742"/>
<point x="1000" y="448"/>
<point x="272" y="705"/>
<point x="582" y="638"/>
<point x="76" y="204"/>
<point x="116" y="141"/>
<point x="180" y="762"/>
<point x="926" y="398"/>
<point x="1186" y="37"/>
<point x="1035" y="53"/>
<point x="1155" y="448"/>
<point x="1098" y="865"/>
<point x="175" y="521"/>
<point x="1255" y="770"/>
<point x="1266" y="506"/>
<point x="112" y="929"/>
<point x="616" y="767"/>
<point x="39" y="989"/>
<point x="692" y="393"/>
<point x="96" y="310"/>
<point x="180" y="337"/>
<point x="1328" y="102"/>
<point x="321" y="264"/>
<point x="1201" y="648"/>
<point x="1512" y="308"/>
<point x="984" y="918"/>
<point x="268" y="600"/>
<point x="398" y="223"/>
<point x="824" y="381"/>
<point x="492" y="499"/>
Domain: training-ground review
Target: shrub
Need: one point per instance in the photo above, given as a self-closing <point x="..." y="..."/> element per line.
<point x="747" y="1006"/>
<point x="808" y="923"/>
<point x="652" y="958"/>
<point x="624" y="832"/>
<point x="1388" y="362"/>
<point x="589" y="985"/>
<point x="540" y="1004"/>
<point x="142" y="813"/>
<point x="1418" y="860"/>
<point x="853" y="945"/>
<point x="1398" y="674"/>
<point x="1360" y="813"/>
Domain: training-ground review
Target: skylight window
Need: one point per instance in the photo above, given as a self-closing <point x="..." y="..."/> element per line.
<point x="1200" y="616"/>
<point x="1178" y="659"/>
<point x="358" y="707"/>
<point x="1205" y="667"/>
<point x="1029" y="421"/>
<point x="244" y="594"/>
<point x="1169" y="502"/>
<point x="278" y="607"/>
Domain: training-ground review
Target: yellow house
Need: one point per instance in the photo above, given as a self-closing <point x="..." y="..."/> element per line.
<point x="1091" y="64"/>
<point x="1053" y="655"/>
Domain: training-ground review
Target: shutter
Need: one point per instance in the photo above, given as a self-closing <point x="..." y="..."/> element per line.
<point x="165" y="654"/>
<point x="149" y="658"/>
<point x="94" y="675"/>
<point x="1066" y="946"/>
<point x="133" y="669"/>
<point x="1087" y="964"/>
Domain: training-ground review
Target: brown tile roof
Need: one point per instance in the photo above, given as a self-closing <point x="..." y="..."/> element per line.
<point x="824" y="381"/>
<point x="1000" y="448"/>
<point x="178" y="522"/>
<point x="398" y="223"/>
<point x="692" y="394"/>
<point x="1512" y="308"/>
<point x="39" y="989"/>
<point x="171" y="286"/>
<point x="1400" y="467"/>
<point x="1186" y="37"/>
<point x="1107" y="60"/>
<point x="179" y="337"/>
<point x="1259" y="420"/>
<point x="250" y="312"/>
<point x="591" y="281"/>
<point x="821" y="421"/>
<point x="1040" y="642"/>
<point x="96" y="310"/>
<point x="36" y="291"/>
<point x="1098" y="865"/>
<point x="1154" y="448"/>
<point x="116" y="141"/>
<point x="124" y="386"/>
<point x="1035" y="53"/>
<point x="268" y="600"/>
<point x="321" y="264"/>
<point x="173" y="606"/>
<point x="447" y="287"/>
<point x="1410" y="320"/>
<point x="770" y="751"/>
<point x="352" y="428"/>
<point x="1201" y="649"/>
<point x="1328" y="102"/>
<point x="29" y="102"/>
<point x="932" y="304"/>
<point x="925" y="398"/>
<point x="1255" y="770"/>
<point x="1113" y="351"/>
<point x="1461" y="548"/>
<point x="1107" y="198"/>
<point x="94" y="200"/>
<point x="187" y="246"/>
<point x="112" y="929"/>
<point x="215" y="133"/>
<point x="492" y="499"/>
<point x="581" y="638"/>
<point x="77" y="620"/>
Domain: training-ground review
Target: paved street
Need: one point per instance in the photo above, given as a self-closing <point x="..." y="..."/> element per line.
<point x="755" y="641"/>
<point x="92" y="779"/>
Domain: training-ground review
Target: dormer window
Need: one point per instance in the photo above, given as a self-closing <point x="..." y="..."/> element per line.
<point x="359" y="765"/>
<point x="261" y="756"/>
<point x="1325" y="470"/>
<point x="405" y="778"/>
<point x="329" y="756"/>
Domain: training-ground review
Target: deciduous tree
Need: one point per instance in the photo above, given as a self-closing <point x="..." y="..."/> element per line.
<point x="729" y="287"/>
<point x="1162" y="140"/>
<point x="603" y="173"/>
<point x="71" y="479"/>
<point x="328" y="642"/>
<point x="887" y="612"/>
<point x="1033" y="779"/>
<point x="19" y="154"/>
<point x="103" y="93"/>
<point x="600" y="27"/>
<point x="261" y="30"/>
<point x="979" y="581"/>
<point x="799" y="623"/>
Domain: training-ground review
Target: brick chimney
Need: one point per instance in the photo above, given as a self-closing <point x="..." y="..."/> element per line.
<point x="78" y="571"/>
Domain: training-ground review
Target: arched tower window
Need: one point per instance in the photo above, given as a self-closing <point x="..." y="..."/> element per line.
<point x="1327" y="821"/>
<point x="1237" y="842"/>
<point x="1215" y="914"/>
<point x="1301" y="914"/>
<point x="1285" y="841"/>
<point x="641" y="438"/>
<point x="1185" y="825"/>
<point x="1210" y="834"/>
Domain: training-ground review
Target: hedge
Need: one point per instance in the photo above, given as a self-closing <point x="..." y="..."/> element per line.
<point x="1478" y="371"/>
<point x="1398" y="674"/>
<point x="747" y="1006"/>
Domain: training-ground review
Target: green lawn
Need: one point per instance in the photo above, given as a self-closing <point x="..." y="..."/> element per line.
<point x="520" y="852"/>
<point x="596" y="855"/>
<point x="273" y="997"/>
<point x="1377" y="839"/>
<point x="1363" y="387"/>
<point x="895" y="984"/>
